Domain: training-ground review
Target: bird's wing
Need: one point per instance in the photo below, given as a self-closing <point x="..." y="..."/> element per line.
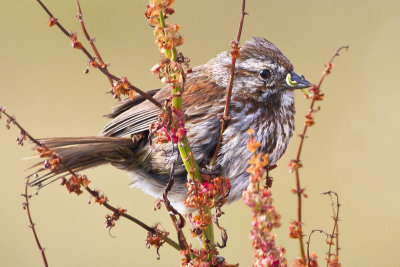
<point x="199" y="97"/>
<point x="127" y="103"/>
<point x="135" y="116"/>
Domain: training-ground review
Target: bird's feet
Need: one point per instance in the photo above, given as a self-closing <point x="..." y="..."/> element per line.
<point x="211" y="169"/>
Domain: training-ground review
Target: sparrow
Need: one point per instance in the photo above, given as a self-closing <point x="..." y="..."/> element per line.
<point x="262" y="99"/>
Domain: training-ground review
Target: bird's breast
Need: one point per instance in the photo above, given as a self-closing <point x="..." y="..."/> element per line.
<point x="273" y="128"/>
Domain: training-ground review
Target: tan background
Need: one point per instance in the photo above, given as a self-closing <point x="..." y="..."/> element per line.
<point x="353" y="149"/>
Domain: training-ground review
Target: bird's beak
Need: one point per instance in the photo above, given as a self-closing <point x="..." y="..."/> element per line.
<point x="295" y="81"/>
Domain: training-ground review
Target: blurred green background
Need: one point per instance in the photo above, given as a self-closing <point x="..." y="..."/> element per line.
<point x="353" y="149"/>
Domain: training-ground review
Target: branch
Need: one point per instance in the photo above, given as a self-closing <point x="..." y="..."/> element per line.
<point x="308" y="245"/>
<point x="179" y="222"/>
<point x="102" y="68"/>
<point x="235" y="54"/>
<point x="294" y="165"/>
<point x="91" y="41"/>
<point x="335" y="230"/>
<point x="150" y="229"/>
<point x="31" y="224"/>
<point x="315" y="90"/>
<point x="94" y="193"/>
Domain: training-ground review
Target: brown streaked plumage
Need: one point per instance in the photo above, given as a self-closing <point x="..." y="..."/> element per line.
<point x="261" y="100"/>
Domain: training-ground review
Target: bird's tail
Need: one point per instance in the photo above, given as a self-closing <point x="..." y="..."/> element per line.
<point x="80" y="153"/>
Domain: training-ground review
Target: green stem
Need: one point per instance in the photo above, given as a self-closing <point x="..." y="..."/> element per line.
<point x="188" y="160"/>
<point x="173" y="244"/>
<point x="209" y="232"/>
<point x="162" y="20"/>
<point x="184" y="148"/>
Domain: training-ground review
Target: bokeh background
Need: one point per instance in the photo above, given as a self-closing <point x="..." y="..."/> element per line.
<point x="353" y="148"/>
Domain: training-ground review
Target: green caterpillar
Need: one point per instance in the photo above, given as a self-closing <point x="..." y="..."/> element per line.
<point x="294" y="83"/>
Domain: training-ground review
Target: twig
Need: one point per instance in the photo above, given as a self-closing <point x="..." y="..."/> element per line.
<point x="173" y="213"/>
<point x="32" y="225"/>
<point x="91" y="41"/>
<point x="235" y="54"/>
<point x="103" y="69"/>
<point x="315" y="96"/>
<point x="11" y="119"/>
<point x="335" y="230"/>
<point x="326" y="72"/>
<point x="94" y="193"/>
<point x="309" y="242"/>
<point x="224" y="234"/>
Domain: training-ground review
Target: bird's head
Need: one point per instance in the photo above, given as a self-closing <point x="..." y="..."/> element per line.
<point x="260" y="68"/>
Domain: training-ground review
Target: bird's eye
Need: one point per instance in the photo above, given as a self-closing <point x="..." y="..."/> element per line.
<point x="265" y="73"/>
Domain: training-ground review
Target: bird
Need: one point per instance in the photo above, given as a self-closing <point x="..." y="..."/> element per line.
<point x="262" y="99"/>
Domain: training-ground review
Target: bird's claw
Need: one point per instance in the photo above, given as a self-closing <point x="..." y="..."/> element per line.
<point x="211" y="169"/>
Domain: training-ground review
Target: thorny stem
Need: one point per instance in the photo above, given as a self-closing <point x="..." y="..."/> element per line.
<point x="299" y="217"/>
<point x="104" y="70"/>
<point x="235" y="47"/>
<point x="326" y="72"/>
<point x="52" y="17"/>
<point x="179" y="222"/>
<point x="169" y="241"/>
<point x="32" y="225"/>
<point x="91" y="192"/>
<point x="309" y="242"/>
<point x="23" y="131"/>
<point x="91" y="41"/>
<point x="225" y="117"/>
<point x="94" y="193"/>
<point x="335" y="230"/>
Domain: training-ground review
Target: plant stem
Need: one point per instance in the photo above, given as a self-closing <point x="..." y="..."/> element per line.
<point x="32" y="225"/>
<point x="103" y="70"/>
<point x="315" y="92"/>
<point x="225" y="117"/>
<point x="188" y="159"/>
